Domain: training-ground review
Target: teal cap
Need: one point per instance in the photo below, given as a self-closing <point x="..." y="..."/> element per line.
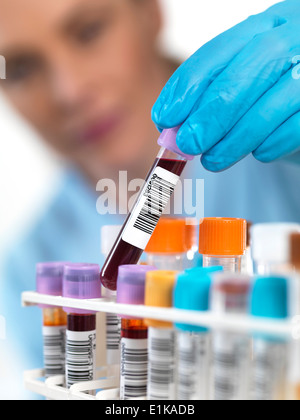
<point x="192" y="292"/>
<point x="269" y="298"/>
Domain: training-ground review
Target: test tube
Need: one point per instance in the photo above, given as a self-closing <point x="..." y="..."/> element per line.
<point x="167" y="247"/>
<point x="194" y="347"/>
<point x="81" y="281"/>
<point x="222" y="242"/>
<point x="271" y="247"/>
<point x="269" y="299"/>
<point x="294" y="365"/>
<point x="150" y="205"/>
<point x="49" y="282"/>
<point x="134" y="333"/>
<point x="231" y="351"/>
<point x="161" y="337"/>
<point x="109" y="234"/>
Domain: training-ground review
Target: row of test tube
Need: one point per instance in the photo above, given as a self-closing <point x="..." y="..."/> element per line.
<point x="162" y="361"/>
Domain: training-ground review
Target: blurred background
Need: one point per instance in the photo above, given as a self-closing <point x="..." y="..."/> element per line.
<point x="29" y="170"/>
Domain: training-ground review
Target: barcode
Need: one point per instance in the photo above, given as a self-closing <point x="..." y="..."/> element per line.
<point x="113" y="332"/>
<point x="158" y="194"/>
<point x="231" y="356"/>
<point x="194" y="366"/>
<point x="134" y="368"/>
<point x="80" y="356"/>
<point x="269" y="371"/>
<point x="54" y="350"/>
<point x="161" y="369"/>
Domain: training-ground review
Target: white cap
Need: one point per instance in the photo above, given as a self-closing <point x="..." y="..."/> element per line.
<point x="109" y="235"/>
<point x="271" y="241"/>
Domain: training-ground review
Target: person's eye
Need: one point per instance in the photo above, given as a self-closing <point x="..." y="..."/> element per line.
<point x="90" y="32"/>
<point x="21" y="69"/>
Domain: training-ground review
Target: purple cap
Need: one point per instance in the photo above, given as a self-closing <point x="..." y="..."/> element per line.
<point x="131" y="284"/>
<point x="49" y="279"/>
<point x="167" y="139"/>
<point x="81" y="281"/>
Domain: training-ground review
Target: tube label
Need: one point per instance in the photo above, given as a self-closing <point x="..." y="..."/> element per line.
<point x="134" y="364"/>
<point x="151" y="205"/>
<point x="194" y="366"/>
<point x="161" y="367"/>
<point x="54" y="350"/>
<point x="80" y="356"/>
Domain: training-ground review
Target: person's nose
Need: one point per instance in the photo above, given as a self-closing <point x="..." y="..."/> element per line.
<point x="71" y="84"/>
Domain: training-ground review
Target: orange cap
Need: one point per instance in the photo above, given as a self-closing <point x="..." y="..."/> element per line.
<point x="159" y="293"/>
<point x="169" y="237"/>
<point x="222" y="236"/>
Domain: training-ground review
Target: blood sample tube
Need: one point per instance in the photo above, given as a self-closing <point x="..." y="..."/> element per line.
<point x="49" y="282"/>
<point x="161" y="337"/>
<point x="269" y="299"/>
<point x="109" y="234"/>
<point x="194" y="361"/>
<point x="168" y="246"/>
<point x="222" y="242"/>
<point x="134" y="333"/>
<point x="150" y="205"/>
<point x="271" y="247"/>
<point x="81" y="281"/>
<point x="231" y="351"/>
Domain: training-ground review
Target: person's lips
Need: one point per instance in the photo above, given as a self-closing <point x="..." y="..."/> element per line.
<point x="99" y="131"/>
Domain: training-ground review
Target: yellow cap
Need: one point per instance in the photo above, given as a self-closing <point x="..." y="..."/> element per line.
<point x="159" y="293"/>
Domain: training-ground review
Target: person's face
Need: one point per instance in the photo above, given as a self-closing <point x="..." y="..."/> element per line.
<point x="84" y="74"/>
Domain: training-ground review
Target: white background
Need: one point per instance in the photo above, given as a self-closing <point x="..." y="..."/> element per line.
<point x="188" y="25"/>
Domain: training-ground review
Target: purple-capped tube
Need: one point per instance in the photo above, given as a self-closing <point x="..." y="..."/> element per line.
<point x="149" y="207"/>
<point x="49" y="282"/>
<point x="134" y="333"/>
<point x="81" y="281"/>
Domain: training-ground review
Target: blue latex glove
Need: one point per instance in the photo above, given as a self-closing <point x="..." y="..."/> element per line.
<point x="239" y="93"/>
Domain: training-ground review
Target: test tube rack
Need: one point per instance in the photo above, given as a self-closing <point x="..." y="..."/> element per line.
<point x="106" y="387"/>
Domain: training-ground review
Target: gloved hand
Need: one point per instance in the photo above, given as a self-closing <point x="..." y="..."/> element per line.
<point x="239" y="93"/>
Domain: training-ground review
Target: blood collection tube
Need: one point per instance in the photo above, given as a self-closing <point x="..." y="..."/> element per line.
<point x="194" y="350"/>
<point x="49" y="282"/>
<point x="231" y="351"/>
<point x="81" y="281"/>
<point x="269" y="299"/>
<point x="222" y="242"/>
<point x="161" y="337"/>
<point x="168" y="246"/>
<point x="109" y="234"/>
<point x="150" y="205"/>
<point x="271" y="247"/>
<point x="294" y="365"/>
<point x="134" y="333"/>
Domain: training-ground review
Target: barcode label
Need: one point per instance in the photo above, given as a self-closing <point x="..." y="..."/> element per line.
<point x="147" y="212"/>
<point x="269" y="371"/>
<point x="54" y="350"/>
<point x="194" y="366"/>
<point x="113" y="337"/>
<point x="231" y="355"/>
<point x="134" y="368"/>
<point x="80" y="356"/>
<point x="161" y="366"/>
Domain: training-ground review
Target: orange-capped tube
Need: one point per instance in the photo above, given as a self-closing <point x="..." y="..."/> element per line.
<point x="222" y="242"/>
<point x="168" y="246"/>
<point x="161" y="337"/>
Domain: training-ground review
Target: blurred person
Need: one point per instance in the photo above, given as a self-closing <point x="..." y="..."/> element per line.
<point x="85" y="74"/>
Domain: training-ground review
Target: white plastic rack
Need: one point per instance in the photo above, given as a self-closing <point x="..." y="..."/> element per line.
<point x="106" y="387"/>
